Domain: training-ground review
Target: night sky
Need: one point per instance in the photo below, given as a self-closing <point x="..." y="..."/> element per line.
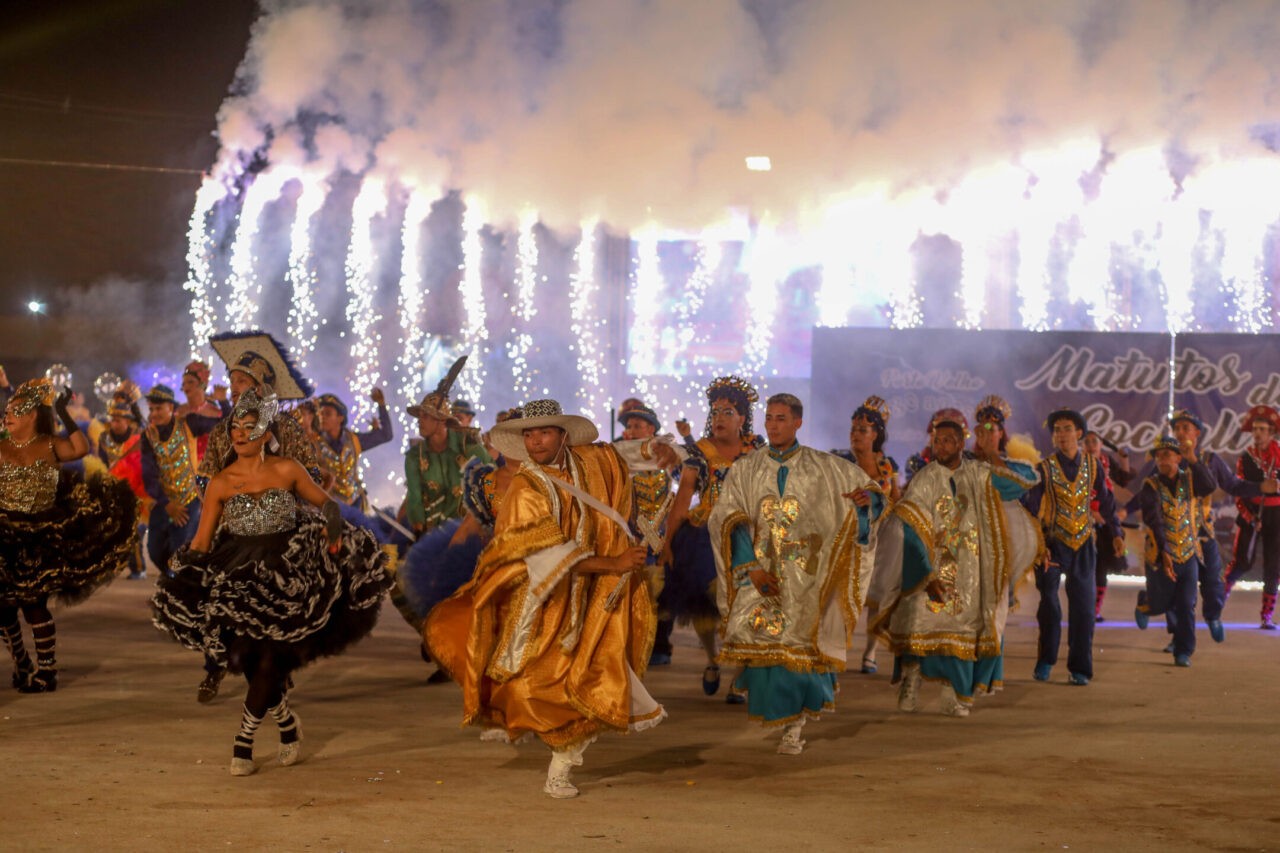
<point x="121" y="82"/>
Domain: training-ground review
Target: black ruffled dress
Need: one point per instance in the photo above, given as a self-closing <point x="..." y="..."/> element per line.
<point x="270" y="585"/>
<point x="62" y="536"/>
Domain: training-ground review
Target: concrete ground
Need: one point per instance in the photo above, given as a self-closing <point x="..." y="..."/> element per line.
<point x="122" y="757"/>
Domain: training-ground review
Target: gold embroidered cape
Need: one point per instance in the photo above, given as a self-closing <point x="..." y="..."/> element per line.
<point x="807" y="538"/>
<point x="535" y="646"/>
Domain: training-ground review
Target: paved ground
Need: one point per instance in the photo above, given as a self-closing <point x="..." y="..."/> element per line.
<point x="1147" y="757"/>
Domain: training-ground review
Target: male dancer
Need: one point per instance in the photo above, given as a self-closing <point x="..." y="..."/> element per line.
<point x="552" y="634"/>
<point x="945" y="562"/>
<point x="794" y="557"/>
<point x="1171" y="512"/>
<point x="1187" y="429"/>
<point x="1258" y="519"/>
<point x="169" y="474"/>
<point x="1069" y="479"/>
<point x="339" y="450"/>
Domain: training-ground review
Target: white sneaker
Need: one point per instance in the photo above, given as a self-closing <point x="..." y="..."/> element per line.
<point x="951" y="704"/>
<point x="493" y="736"/>
<point x="558" y="784"/>
<point x="909" y="690"/>
<point x="791" y="743"/>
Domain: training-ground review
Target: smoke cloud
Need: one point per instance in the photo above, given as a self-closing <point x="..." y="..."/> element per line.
<point x="642" y="111"/>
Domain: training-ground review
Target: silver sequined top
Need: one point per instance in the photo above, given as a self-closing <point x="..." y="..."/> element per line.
<point x="28" y="488"/>
<point x="269" y="511"/>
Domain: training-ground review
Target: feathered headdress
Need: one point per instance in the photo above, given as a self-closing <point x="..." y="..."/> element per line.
<point x="259" y="355"/>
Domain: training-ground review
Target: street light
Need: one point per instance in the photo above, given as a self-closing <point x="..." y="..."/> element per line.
<point x="35" y="306"/>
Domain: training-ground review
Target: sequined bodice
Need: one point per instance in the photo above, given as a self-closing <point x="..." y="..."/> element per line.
<point x="28" y="488"/>
<point x="269" y="511"/>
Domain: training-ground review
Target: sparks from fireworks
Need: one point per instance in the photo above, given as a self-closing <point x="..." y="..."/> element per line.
<point x="200" y="251"/>
<point x="475" y="332"/>
<point x="646" y="302"/>
<point x="584" y="292"/>
<point x="1243" y="196"/>
<point x="767" y="267"/>
<point x="304" y="319"/>
<point x="521" y="341"/>
<point x="411" y="367"/>
<point x="364" y="344"/>
<point x="243" y="285"/>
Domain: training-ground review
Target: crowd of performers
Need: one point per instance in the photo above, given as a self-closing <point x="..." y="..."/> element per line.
<point x="545" y="569"/>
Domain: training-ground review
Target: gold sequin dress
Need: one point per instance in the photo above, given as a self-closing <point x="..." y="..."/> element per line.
<point x="61" y="536"/>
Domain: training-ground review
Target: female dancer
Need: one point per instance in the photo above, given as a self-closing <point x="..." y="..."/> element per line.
<point x="267" y="584"/>
<point x="867" y="435"/>
<point x="688" y="594"/>
<point x="59" y="536"/>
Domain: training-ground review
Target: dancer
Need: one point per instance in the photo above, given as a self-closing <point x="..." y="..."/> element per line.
<point x="120" y="449"/>
<point x="946" y="560"/>
<point x="1187" y="429"/>
<point x="266" y="585"/>
<point x="653" y="493"/>
<point x="433" y="466"/>
<point x="1258" y="519"/>
<point x="1069" y="480"/>
<point x="794" y="557"/>
<point x="1171" y="512"/>
<point x="339" y="449"/>
<point x="256" y="360"/>
<point x="169" y="466"/>
<point x="688" y="593"/>
<point x="59" y="537"/>
<point x="195" y="387"/>
<point x="867" y="435"/>
<point x="552" y="634"/>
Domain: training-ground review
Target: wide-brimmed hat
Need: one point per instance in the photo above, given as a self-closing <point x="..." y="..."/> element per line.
<point x="462" y="407"/>
<point x="1065" y="414"/>
<point x="261" y="357"/>
<point x="161" y="394"/>
<point x="508" y="439"/>
<point x="1263" y="414"/>
<point x="642" y="412"/>
<point x="1188" y="416"/>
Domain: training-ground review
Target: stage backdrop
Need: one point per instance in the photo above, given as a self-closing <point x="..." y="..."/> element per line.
<point x="1119" y="382"/>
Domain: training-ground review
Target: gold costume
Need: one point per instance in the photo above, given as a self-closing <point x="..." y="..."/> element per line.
<point x="536" y="647"/>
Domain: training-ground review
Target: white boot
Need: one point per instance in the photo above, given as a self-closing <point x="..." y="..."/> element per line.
<point x="951" y="704"/>
<point x="791" y="743"/>
<point x="909" y="690"/>
<point x="558" y="784"/>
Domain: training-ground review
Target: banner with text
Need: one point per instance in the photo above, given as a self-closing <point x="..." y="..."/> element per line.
<point x="1119" y="382"/>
